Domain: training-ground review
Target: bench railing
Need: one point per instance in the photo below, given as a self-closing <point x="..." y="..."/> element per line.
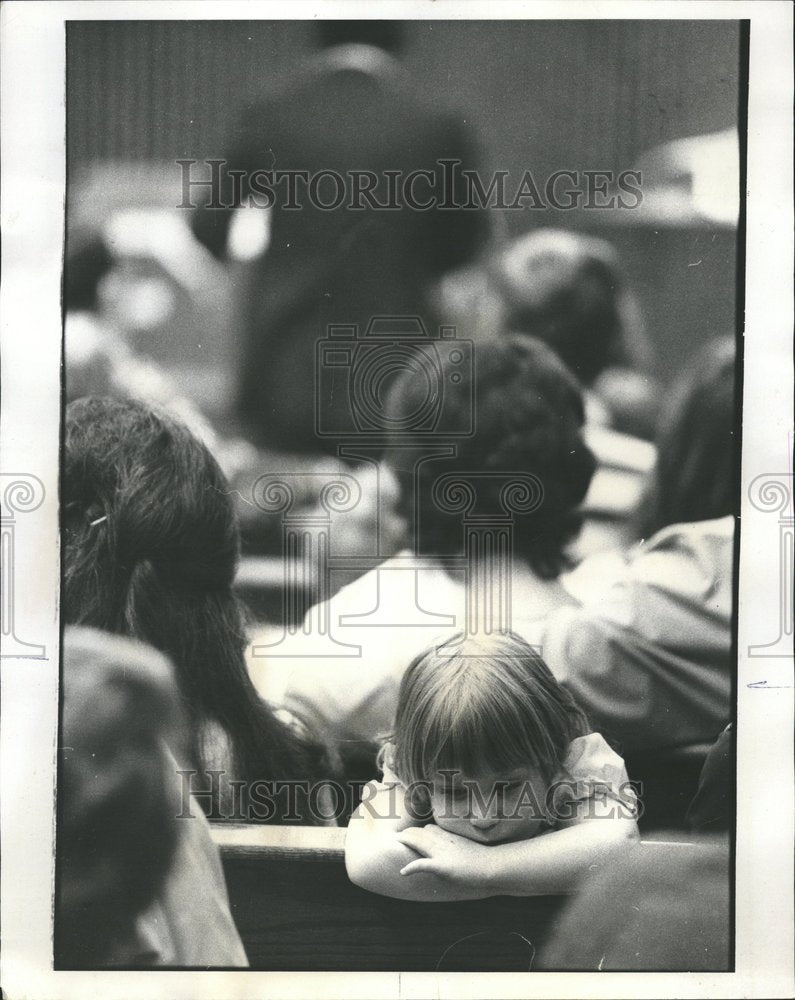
<point x="250" y="841"/>
<point x="297" y="910"/>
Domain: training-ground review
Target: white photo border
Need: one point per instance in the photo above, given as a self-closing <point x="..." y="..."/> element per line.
<point x="32" y="197"/>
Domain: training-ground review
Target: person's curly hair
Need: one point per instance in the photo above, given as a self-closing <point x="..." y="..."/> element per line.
<point x="528" y="417"/>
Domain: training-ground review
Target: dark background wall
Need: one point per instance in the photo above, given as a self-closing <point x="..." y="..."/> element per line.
<point x="545" y="95"/>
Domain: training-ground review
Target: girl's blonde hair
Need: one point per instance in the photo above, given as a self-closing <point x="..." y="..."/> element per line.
<point x="482" y="701"/>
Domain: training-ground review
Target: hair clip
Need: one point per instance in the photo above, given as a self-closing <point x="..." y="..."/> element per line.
<point x="99" y="520"/>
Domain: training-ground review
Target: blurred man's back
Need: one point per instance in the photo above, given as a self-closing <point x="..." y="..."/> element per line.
<point x="350" y="109"/>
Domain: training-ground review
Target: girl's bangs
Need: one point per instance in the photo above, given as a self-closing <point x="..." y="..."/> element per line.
<point x="489" y="731"/>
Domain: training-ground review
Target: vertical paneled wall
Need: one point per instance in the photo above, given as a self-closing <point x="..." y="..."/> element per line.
<point x="546" y="95"/>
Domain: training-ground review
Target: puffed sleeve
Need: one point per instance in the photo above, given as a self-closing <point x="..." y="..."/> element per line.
<point x="593" y="782"/>
<point x="386" y="761"/>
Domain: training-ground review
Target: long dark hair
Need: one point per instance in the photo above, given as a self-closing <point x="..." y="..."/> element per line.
<point x="151" y="548"/>
<point x="696" y="475"/>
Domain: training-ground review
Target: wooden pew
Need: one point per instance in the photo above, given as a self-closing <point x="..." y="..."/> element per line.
<point x="296" y="909"/>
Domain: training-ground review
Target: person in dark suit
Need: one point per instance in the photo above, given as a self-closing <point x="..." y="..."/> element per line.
<point x="352" y="107"/>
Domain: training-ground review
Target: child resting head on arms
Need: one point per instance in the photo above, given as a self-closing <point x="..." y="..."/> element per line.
<point x="488" y="753"/>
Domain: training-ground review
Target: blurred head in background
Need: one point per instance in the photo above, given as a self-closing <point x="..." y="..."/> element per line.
<point x="567" y="290"/>
<point x="528" y="418"/>
<point x="88" y="260"/>
<point x="387" y="35"/>
<point x="117" y="831"/>
<point x="564" y="289"/>
<point x="696" y="475"/>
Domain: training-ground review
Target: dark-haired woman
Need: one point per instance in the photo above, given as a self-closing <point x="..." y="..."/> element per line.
<point x="151" y="547"/>
<point x="524" y="465"/>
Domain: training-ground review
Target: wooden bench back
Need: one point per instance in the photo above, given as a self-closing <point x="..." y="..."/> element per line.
<point x="296" y="909"/>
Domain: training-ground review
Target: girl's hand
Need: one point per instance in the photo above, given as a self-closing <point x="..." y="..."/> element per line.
<point x="447" y="855"/>
<point x="380" y="847"/>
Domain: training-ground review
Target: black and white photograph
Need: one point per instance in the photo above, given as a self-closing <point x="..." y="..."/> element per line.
<point x="397" y="500"/>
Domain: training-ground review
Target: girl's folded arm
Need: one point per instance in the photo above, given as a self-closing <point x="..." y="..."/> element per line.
<point x="375" y="857"/>
<point x="387" y="855"/>
<point x="556" y="862"/>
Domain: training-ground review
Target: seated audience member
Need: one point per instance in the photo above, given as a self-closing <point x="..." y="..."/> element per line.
<point x="151" y="547"/>
<point x="658" y="907"/>
<point x="648" y="654"/>
<point x="493" y="783"/>
<point x="566" y="289"/>
<point x="136" y="884"/>
<point x="529" y="423"/>
<point x="696" y="475"/>
<point x="712" y="808"/>
<point x="99" y="358"/>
